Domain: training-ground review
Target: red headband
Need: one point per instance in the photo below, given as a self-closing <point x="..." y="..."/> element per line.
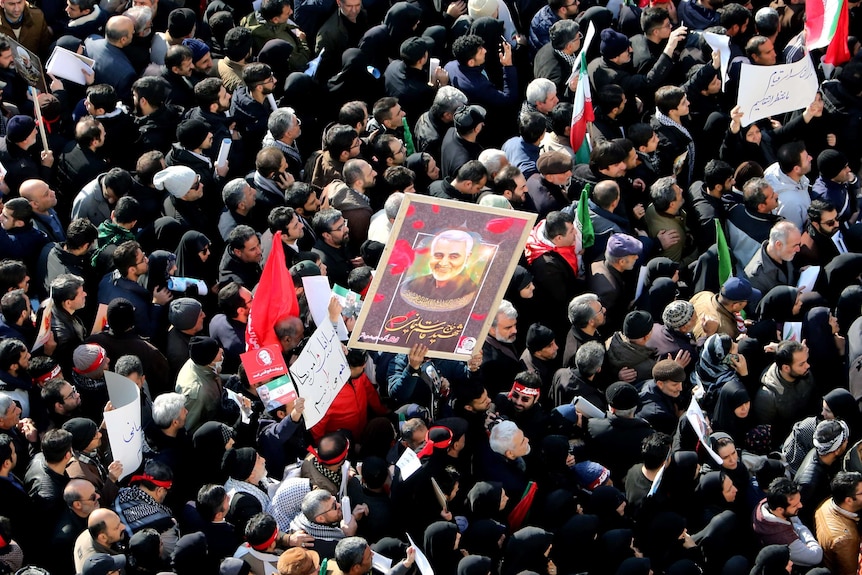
<point x="429" y="446"/>
<point x="50" y="375"/>
<point x="2" y="542"/>
<point x="265" y="545"/>
<point x="151" y="479"/>
<point x="96" y="362"/>
<point x="337" y="459"/>
<point x="524" y="390"/>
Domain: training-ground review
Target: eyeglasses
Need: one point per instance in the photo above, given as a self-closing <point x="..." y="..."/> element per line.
<point x="72" y="394"/>
<point x="197" y="184"/>
<point x="830" y="223"/>
<point x="144" y="259"/>
<point x="92" y="497"/>
<point x="339" y="228"/>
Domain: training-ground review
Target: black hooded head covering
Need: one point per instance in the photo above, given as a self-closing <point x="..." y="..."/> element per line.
<point x="849" y="308"/>
<point x="276" y="54"/>
<point x="846" y="408"/>
<point x="771" y="560"/>
<point x="827" y="365"/>
<point x="189" y="264"/>
<point x="732" y="395"/>
<point x="736" y="565"/>
<point x="634" y="566"/>
<point x="659" y="295"/>
<point x="354" y="82"/>
<point x="474" y="565"/>
<point x="841" y="272"/>
<point x="391" y="547"/>
<point x="399" y="21"/>
<point x="579" y="532"/>
<point x="440" y="547"/>
<point x="710" y="488"/>
<point x="684" y="567"/>
<point x="160" y="263"/>
<point x="482" y="537"/>
<point x="778" y="304"/>
<point x="525" y="551"/>
<point x="484" y="500"/>
<point x="659" y="268"/>
<point x="190" y="556"/>
<point x="555" y="509"/>
<point x="615" y="546"/>
<point x="144" y="547"/>
<point x="521" y="278"/>
<point x="209" y="441"/>
<point x="416" y="162"/>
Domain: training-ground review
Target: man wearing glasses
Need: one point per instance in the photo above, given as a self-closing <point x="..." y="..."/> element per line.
<point x="555" y="11"/>
<point x="141" y="505"/>
<point x="249" y="106"/>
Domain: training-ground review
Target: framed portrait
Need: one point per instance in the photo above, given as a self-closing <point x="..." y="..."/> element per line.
<point x="27" y="64"/>
<point x="441" y="277"/>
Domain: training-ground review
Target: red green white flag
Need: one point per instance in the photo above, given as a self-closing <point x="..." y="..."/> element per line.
<point x="583" y="105"/>
<point x="827" y="24"/>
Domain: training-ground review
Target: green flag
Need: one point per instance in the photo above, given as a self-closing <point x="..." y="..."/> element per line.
<point x="725" y="266"/>
<point x="408" y="138"/>
<point x="584" y="223"/>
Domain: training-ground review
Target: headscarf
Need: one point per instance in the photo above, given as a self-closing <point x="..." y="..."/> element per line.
<point x="846" y="408"/>
<point x="841" y="272"/>
<point x="684" y="567"/>
<point x="189" y="264"/>
<point x="276" y="54"/>
<point x="736" y="565"/>
<point x="732" y="395"/>
<point x="659" y="295"/>
<point x="421" y="181"/>
<point x="484" y="500"/>
<point x="525" y="551"/>
<point x="634" y="566"/>
<point x="353" y="82"/>
<point x="579" y="532"/>
<point x="555" y="509"/>
<point x="521" y="278"/>
<point x="287" y="500"/>
<point x="615" y="546"/>
<point x="778" y="304"/>
<point x="710" y="489"/>
<point x="482" y="538"/>
<point x="603" y="503"/>
<point x="160" y="263"/>
<point x="772" y="560"/>
<point x="825" y="359"/>
<point x="711" y="369"/>
<point x="474" y="565"/>
<point x="209" y="442"/>
<point x="659" y="268"/>
<point x="440" y="546"/>
<point x="849" y="308"/>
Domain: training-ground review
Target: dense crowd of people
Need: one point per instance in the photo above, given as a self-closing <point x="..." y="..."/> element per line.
<point x="670" y="384"/>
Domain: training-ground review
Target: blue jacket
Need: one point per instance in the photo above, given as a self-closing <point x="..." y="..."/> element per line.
<point x="480" y="90"/>
<point x="147" y="314"/>
<point x="522" y="154"/>
<point x="540" y="28"/>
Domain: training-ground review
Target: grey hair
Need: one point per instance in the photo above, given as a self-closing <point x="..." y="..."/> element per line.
<point x="589" y="358"/>
<point x="71" y="493"/>
<point x="580" y="311"/>
<point x="492" y="159"/>
<point x="324" y="219"/>
<point x="280" y="122"/>
<point x="393" y="204"/>
<point x="507" y="309"/>
<point x="447" y="100"/>
<point x="140" y="15"/>
<point x="129" y="364"/>
<point x="626" y="413"/>
<point x="662" y="193"/>
<point x="350" y="551"/>
<point x="312" y="502"/>
<point x="233" y="193"/>
<point x="5" y="402"/>
<point x="562" y="32"/>
<point x="167" y="407"/>
<point x="539" y="90"/>
<point x="780" y="232"/>
<point x="502" y="437"/>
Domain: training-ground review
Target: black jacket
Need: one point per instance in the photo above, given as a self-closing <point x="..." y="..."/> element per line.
<point x="232" y="268"/>
<point x="615" y="442"/>
<point x="157" y="131"/>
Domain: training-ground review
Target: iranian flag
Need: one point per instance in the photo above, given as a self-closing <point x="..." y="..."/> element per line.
<point x="827" y="24"/>
<point x="583" y="105"/>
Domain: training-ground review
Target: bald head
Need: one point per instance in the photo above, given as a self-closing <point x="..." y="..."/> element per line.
<point x="40" y="196"/>
<point x="119" y="30"/>
<point x="101" y="516"/>
<point x="290" y="332"/>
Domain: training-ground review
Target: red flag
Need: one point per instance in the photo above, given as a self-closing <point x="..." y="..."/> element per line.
<point x="838" y="53"/>
<point x="274" y="299"/>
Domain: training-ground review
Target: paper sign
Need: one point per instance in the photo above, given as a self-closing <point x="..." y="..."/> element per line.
<point x="441" y="497"/>
<point x="277" y="393"/>
<point x="124" y="421"/>
<point x="318" y="294"/>
<point x="721" y="43"/>
<point x="774" y="90"/>
<point x="808" y="278"/>
<point x="586" y="407"/>
<point x="263" y="364"/>
<point x="792" y="331"/>
<point x="642" y="275"/>
<point x="245" y="412"/>
<point x="68" y="65"/>
<point x="695" y="416"/>
<point x="320" y="372"/>
<point x="101" y="321"/>
<point x="45" y="326"/>
<point x="421" y="560"/>
<point x="408" y="463"/>
<point x="381" y="563"/>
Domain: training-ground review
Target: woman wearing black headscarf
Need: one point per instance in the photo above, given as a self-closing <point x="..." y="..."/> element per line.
<point x="528" y="549"/>
<point x="572" y="542"/>
<point x="848" y="308"/>
<point x="615" y="546"/>
<point x="491" y="31"/>
<point x="354" y="81"/>
<point x="555" y="472"/>
<point x="195" y="258"/>
<point x="162" y="266"/>
<point x="841" y="272"/>
<point x="656" y="269"/>
<point x="276" y="54"/>
<point x="520" y="294"/>
<point x="667" y="541"/>
<point x="634" y="566"/>
<point x="608" y="504"/>
<point x="715" y="493"/>
<point x="382" y="43"/>
<point x="827" y="350"/>
<point x="441" y="546"/>
<point x="484" y="537"/>
<point x="486" y="500"/>
<point x="305" y="96"/>
<point x="475" y="565"/>
<point x="780" y="304"/>
<point x="772" y="560"/>
<point x="732" y="414"/>
<point x="426" y="171"/>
